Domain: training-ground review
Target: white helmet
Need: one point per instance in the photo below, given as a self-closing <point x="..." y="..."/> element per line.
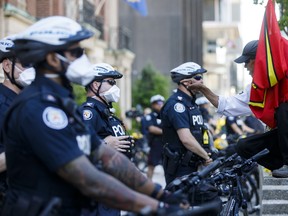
<point x="185" y="71"/>
<point x="54" y="33"/>
<point x="156" y="98"/>
<point x="103" y="70"/>
<point x="5" y="49"/>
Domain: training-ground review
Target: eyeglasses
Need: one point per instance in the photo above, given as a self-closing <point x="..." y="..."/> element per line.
<point x="76" y="52"/>
<point x="198" y="77"/>
<point x="111" y="82"/>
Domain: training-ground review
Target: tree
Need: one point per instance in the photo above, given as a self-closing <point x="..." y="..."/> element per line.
<point x="79" y="93"/>
<point x="283" y="6"/>
<point x="151" y="82"/>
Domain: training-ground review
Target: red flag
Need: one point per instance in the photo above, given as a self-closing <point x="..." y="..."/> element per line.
<point x="270" y="67"/>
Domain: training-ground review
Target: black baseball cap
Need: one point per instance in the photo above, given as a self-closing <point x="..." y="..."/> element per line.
<point x="249" y="52"/>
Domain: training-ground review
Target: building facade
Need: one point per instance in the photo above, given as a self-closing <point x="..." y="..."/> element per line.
<point x="107" y="45"/>
<point x="168" y="36"/>
<point x="221" y="44"/>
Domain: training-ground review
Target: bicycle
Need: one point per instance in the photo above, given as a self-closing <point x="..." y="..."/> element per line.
<point x="199" y="211"/>
<point x="238" y="190"/>
<point x="140" y="153"/>
<point x="239" y="178"/>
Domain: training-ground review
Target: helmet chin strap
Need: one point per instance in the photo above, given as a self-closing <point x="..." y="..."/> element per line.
<point x="190" y="91"/>
<point x="12" y="79"/>
<point x="65" y="82"/>
<point x="98" y="95"/>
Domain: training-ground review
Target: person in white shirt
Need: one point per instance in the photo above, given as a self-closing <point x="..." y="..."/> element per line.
<point x="238" y="105"/>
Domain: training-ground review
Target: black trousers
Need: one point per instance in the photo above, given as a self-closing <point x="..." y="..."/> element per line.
<point x="275" y="140"/>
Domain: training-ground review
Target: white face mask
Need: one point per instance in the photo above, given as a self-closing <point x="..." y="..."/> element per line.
<point x="26" y="76"/>
<point x="77" y="71"/>
<point x="112" y="95"/>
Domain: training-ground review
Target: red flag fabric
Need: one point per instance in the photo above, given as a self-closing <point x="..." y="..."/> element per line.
<point x="269" y="68"/>
<point x="270" y="63"/>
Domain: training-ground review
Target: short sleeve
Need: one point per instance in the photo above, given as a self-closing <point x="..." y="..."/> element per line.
<point x="178" y="116"/>
<point x="50" y="135"/>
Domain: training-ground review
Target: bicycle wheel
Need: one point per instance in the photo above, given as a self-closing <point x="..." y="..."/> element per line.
<point x="229" y="207"/>
<point x="251" y="194"/>
<point x="140" y="160"/>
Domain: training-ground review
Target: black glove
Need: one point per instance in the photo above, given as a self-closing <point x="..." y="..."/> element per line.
<point x="172" y="198"/>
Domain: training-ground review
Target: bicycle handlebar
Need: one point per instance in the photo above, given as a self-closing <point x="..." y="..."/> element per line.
<point x="215" y="165"/>
<point x="260" y="154"/>
<point x="230" y="173"/>
<point x="200" y="210"/>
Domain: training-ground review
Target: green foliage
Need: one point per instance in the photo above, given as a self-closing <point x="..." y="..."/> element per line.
<point x="117" y="109"/>
<point x="151" y="82"/>
<point x="283" y="21"/>
<point x="79" y="93"/>
<point x="283" y="6"/>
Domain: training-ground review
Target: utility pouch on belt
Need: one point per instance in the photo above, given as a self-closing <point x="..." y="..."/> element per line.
<point x="171" y="160"/>
<point x="187" y="157"/>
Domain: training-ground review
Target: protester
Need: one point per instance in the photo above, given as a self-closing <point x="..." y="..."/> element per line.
<point x="275" y="140"/>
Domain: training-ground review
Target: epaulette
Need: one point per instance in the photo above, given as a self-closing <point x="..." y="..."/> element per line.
<point x="49" y="97"/>
<point x="88" y="104"/>
<point x="179" y="98"/>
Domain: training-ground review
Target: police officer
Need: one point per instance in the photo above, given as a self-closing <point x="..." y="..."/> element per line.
<point x="101" y="93"/>
<point x="182" y="124"/>
<point x="154" y="136"/>
<point x="48" y="146"/>
<point x="15" y="78"/>
<point x="234" y="129"/>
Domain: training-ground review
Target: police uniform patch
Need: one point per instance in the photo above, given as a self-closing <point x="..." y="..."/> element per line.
<point x="55" y="118"/>
<point x="231" y="118"/>
<point x="178" y="107"/>
<point x="87" y="114"/>
<point x="148" y="117"/>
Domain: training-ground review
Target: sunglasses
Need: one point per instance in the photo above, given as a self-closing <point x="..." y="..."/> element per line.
<point x="198" y="77"/>
<point x="76" y="52"/>
<point x="111" y="82"/>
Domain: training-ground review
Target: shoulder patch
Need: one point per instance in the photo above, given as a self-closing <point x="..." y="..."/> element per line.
<point x="178" y="107"/>
<point x="231" y="118"/>
<point x="88" y="104"/>
<point x="55" y="118"/>
<point x="87" y="114"/>
<point x="148" y="117"/>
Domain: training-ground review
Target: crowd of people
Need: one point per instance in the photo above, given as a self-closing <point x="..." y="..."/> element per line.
<point x="51" y="148"/>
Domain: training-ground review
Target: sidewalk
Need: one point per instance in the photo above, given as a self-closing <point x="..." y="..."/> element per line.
<point x="158" y="176"/>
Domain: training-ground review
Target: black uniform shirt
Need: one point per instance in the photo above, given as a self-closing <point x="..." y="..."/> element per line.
<point x="153" y="119"/>
<point x="229" y="121"/>
<point x="42" y="137"/>
<point x="6" y="98"/>
<point x="98" y="116"/>
<point x="180" y="111"/>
